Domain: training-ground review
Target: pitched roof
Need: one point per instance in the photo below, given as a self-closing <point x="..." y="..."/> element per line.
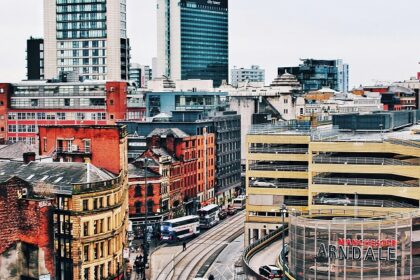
<point x="164" y="132"/>
<point x="58" y="176"/>
<point x="16" y="150"/>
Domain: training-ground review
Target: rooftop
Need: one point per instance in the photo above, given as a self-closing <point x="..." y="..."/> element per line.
<point x="58" y="176"/>
<point x="164" y="132"/>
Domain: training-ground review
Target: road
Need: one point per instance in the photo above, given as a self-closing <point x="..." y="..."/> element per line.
<point x="171" y="263"/>
<point x="223" y="267"/>
<point x="267" y="256"/>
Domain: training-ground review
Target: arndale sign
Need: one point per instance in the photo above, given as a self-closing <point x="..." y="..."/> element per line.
<point x="352" y="249"/>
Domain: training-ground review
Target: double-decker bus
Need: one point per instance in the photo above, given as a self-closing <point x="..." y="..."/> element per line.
<point x="179" y="228"/>
<point x="209" y="216"/>
<point x="239" y="202"/>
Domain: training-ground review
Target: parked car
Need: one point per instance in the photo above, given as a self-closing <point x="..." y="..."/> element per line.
<point x="271" y="272"/>
<point x="335" y="200"/>
<point x="223" y="214"/>
<point x="257" y="183"/>
<point x="231" y="211"/>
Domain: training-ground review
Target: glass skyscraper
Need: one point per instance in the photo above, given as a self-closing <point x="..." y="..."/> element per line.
<point x="314" y="74"/>
<point x="193" y="39"/>
<point x="86" y="36"/>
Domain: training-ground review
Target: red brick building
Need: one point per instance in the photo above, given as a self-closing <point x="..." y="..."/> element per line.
<point x="148" y="190"/>
<point x="191" y="176"/>
<point x="25" y="106"/>
<point x="26" y="239"/>
<point x="102" y="145"/>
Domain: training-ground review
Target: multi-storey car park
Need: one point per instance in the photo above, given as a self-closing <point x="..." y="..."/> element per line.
<point x="361" y="162"/>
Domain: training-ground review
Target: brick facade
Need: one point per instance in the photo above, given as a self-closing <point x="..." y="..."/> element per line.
<point x="27" y="228"/>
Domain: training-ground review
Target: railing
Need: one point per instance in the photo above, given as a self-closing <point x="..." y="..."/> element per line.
<point x="362" y="182"/>
<point x="75" y="151"/>
<point x="256" y="247"/>
<point x="274" y="167"/>
<point x="364" y="202"/>
<point x="359" y="160"/>
<point x="97" y="186"/>
<point x="278" y="150"/>
<point x="283" y="185"/>
<point x="408" y="143"/>
<point x="295" y="202"/>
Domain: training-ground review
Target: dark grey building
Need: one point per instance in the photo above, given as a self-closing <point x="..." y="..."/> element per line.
<point x="193" y="39"/>
<point x="226" y="127"/>
<point x="314" y="74"/>
<point x="35" y="58"/>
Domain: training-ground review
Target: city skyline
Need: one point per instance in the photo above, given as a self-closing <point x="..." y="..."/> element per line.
<point x="363" y="36"/>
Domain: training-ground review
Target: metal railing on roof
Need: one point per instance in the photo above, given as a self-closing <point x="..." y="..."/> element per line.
<point x="275" y="167"/>
<point x="97" y="186"/>
<point x="365" y="202"/>
<point x="403" y="142"/>
<point x="359" y="160"/>
<point x="295" y="202"/>
<point x="362" y="182"/>
<point x="278" y="150"/>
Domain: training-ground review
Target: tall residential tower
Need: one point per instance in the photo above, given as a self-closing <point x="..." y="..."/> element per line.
<point x="193" y="39"/>
<point x="88" y="37"/>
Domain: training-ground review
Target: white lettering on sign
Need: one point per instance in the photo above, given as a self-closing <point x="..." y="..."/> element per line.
<point x="213" y="2"/>
<point x="44" y="203"/>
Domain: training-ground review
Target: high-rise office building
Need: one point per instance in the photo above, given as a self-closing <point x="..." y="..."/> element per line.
<point x="88" y="37"/>
<point x="314" y="74"/>
<point x="193" y="39"/>
<point x="35" y="58"/>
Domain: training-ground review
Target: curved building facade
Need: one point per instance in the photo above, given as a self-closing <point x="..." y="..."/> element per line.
<point x="331" y="245"/>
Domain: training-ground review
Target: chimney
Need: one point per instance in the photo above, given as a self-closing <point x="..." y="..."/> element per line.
<point x="28" y="157"/>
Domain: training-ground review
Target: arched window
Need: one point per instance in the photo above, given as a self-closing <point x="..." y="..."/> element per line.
<point x="137" y="190"/>
<point x="137" y="205"/>
<point x="150" y="206"/>
<point x="149" y="189"/>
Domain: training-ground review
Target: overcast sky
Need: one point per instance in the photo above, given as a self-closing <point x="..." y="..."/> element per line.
<point x="379" y="39"/>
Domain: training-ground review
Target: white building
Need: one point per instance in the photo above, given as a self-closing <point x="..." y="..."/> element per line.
<point x="253" y="74"/>
<point x="256" y="103"/>
<point x="87" y="37"/>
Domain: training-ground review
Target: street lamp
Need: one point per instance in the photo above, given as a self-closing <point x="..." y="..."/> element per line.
<point x="145" y="230"/>
<point x="283" y="212"/>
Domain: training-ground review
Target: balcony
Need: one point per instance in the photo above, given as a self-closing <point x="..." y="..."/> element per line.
<point x="359" y="160"/>
<point x="74" y="151"/>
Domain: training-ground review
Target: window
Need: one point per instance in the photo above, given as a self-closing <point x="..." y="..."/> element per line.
<point x="87" y="145"/>
<point x="150" y="206"/>
<point x="34" y="102"/>
<point x="45" y="144"/>
<point x="85" y="228"/>
<point x="66" y="102"/>
<point x="95" y="227"/>
<point x="86" y="256"/>
<point x="109" y="223"/>
<point x="85" y="204"/>
<point x="137" y="205"/>
<point x="86" y="273"/>
<point x="95" y="203"/>
<point x="95" y="251"/>
<point x="137" y="190"/>
<point x="149" y="190"/>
